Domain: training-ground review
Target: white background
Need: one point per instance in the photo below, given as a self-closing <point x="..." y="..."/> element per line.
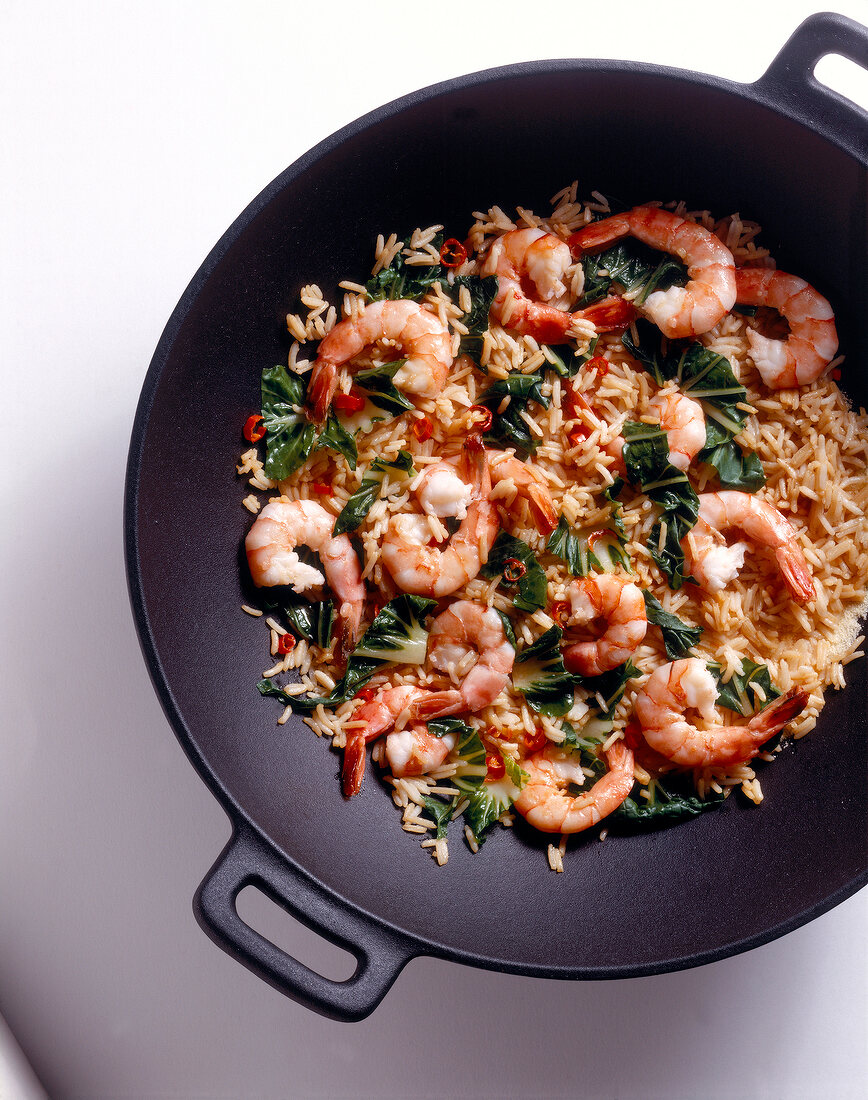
<point x="132" y="135"/>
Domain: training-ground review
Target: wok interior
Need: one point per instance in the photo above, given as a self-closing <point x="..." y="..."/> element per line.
<point x="634" y="902"/>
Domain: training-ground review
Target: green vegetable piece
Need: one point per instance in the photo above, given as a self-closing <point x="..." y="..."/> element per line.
<point x="289" y="436"/>
<point x="532" y="587"/>
<point x="441" y="813"/>
<point x="360" y="503"/>
<point x="335" y="437"/>
<point x="572" y="545"/>
<point x="508" y="429"/>
<point x="678" y="637"/>
<point x="539" y="674"/>
<point x="633" y="266"/>
<point x="662" y="808"/>
<point x="381" y="389"/>
<point x="313" y="621"/>
<point x="737" y="694"/>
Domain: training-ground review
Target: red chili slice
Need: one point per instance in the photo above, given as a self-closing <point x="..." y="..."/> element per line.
<point x="535" y="741"/>
<point x="484" y="418"/>
<point x="254" y="428"/>
<point x="452" y="253"/>
<point x="286" y="643"/>
<point x="494" y="767"/>
<point x="599" y="363"/>
<point x="560" y="612"/>
<point x="513" y="570"/>
<point x="366" y="694"/>
<point x="323" y="489"/>
<point x="423" y="429"/>
<point x="348" y="402"/>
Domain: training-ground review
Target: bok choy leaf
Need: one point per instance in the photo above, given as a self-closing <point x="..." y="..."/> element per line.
<point x="360" y="503"/>
<point x="532" y="585"/>
<point x="508" y="428"/>
<point x="539" y="674"/>
<point x="290" y="437"/>
<point x="678" y="637"/>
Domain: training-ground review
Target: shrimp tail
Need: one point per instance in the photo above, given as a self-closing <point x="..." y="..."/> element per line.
<point x="353" y="768"/>
<point x="591" y="238"/>
<point x="437" y="704"/>
<point x="609" y="315"/>
<point x="794" y="571"/>
<point x="322" y="387"/>
<point x="542" y="508"/>
<point x="779" y="713"/>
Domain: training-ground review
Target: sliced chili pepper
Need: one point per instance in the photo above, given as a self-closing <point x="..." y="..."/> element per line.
<point x="366" y="694"/>
<point x="513" y="570"/>
<point x="560" y="612"/>
<point x="484" y="416"/>
<point x="452" y="253"/>
<point x="286" y="643"/>
<point x="633" y="734"/>
<point x="492" y="733"/>
<point x="595" y="537"/>
<point x="423" y="428"/>
<point x="322" y="488"/>
<point x="835" y="374"/>
<point x="599" y="363"/>
<point x="254" y="428"/>
<point x="494" y="767"/>
<point x="348" y="402"/>
<point x="535" y="741"/>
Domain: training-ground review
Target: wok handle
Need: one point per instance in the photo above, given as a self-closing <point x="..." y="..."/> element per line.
<point x="790" y="82"/>
<point x="380" y="953"/>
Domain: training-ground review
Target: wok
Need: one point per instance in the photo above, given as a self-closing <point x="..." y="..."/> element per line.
<point x="785" y="151"/>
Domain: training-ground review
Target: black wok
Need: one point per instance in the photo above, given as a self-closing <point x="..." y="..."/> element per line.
<point x="784" y="151"/>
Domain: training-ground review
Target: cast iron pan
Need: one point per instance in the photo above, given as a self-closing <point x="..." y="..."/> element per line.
<point x="784" y="151"/>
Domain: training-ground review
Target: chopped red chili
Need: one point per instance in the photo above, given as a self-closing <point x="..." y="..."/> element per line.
<point x="286" y="643"/>
<point x="595" y="537"/>
<point x="322" y="488"/>
<point x="535" y="741"/>
<point x="348" y="402"/>
<point x="599" y="363"/>
<point x="513" y="570"/>
<point x="494" y="767"/>
<point x="423" y="428"/>
<point x="452" y="253"/>
<point x="254" y="428"/>
<point x="560" y="612"/>
<point x="366" y="694"/>
<point x="484" y="418"/>
<point x="835" y="374"/>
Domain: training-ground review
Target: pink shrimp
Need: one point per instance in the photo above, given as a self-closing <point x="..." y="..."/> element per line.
<point x="546" y="803"/>
<point x="679" y="311"/>
<point x="684" y="423"/>
<point x="618" y="601"/>
<point x="407" y="325"/>
<point x="427" y="570"/>
<point x="463" y="627"/>
<point x="713" y="564"/>
<point x="380" y="715"/>
<point x="670" y="690"/>
<point x="530" y="266"/>
<point x="271" y="542"/>
<point x="813" y="339"/>
<point x="529" y="483"/>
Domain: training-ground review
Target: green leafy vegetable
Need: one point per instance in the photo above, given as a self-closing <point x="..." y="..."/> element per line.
<point x="378" y="381"/>
<point x="734" y="693"/>
<point x="441" y="814"/>
<point x="289" y="436"/>
<point x="532" y="586"/>
<point x="403" y="280"/>
<point x="482" y="294"/>
<point x="646" y="458"/>
<point x="335" y="437"/>
<point x="663" y="807"/>
<point x="508" y="429"/>
<point x="609" y="686"/>
<point x="678" y="637"/>
<point x="360" y="503"/>
<point x="396" y="636"/>
<point x="573" y="545"/>
<point x="486" y="801"/>
<point x="633" y="266"/>
<point x="313" y="621"/>
<point x="539" y="674"/>
<point x="508" y="628"/>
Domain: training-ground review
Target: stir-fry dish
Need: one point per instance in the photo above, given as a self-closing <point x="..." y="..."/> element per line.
<point x="563" y="519"/>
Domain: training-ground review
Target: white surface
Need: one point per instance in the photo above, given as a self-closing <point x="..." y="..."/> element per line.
<point x="133" y="134"/>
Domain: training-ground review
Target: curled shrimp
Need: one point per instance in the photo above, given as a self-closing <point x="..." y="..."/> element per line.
<point x="684" y="423"/>
<point x="713" y="564"/>
<point x="670" y="690"/>
<point x="283" y="525"/>
<point x="380" y="715"/>
<point x="427" y="570"/>
<point x="545" y="801"/>
<point x="620" y="603"/>
<point x="421" y="336"/>
<point x="462" y="628"/>
<point x="529" y="483"/>
<point x="710" y="292"/>
<point x="813" y="339"/>
<point x="530" y="266"/>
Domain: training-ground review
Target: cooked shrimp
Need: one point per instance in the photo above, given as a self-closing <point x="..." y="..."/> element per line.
<point x="463" y="627"/>
<point x="813" y="339"/>
<point x="530" y="266"/>
<point x="673" y="688"/>
<point x="584" y="420"/>
<point x="684" y="423"/>
<point x="618" y="601"/>
<point x="529" y="483"/>
<point x="710" y="291"/>
<point x="279" y="528"/>
<point x="547" y="804"/>
<point x="713" y="564"/>
<point x="426" y="570"/>
<point x="415" y="751"/>
<point x="380" y="714"/>
<point x="422" y="337"/>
